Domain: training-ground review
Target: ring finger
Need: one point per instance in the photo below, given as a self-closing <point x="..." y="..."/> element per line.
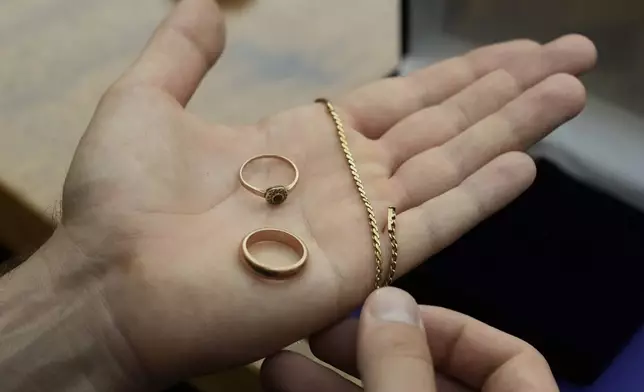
<point x="436" y="124"/>
<point x="515" y="127"/>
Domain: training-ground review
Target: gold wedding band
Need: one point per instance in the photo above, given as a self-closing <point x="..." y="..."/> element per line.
<point x="275" y="194"/>
<point x="274" y="235"/>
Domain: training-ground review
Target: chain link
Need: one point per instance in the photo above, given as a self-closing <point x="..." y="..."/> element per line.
<point x="391" y="230"/>
<point x="373" y="224"/>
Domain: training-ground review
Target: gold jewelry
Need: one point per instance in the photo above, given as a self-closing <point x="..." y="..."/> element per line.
<point x="391" y="230"/>
<point x="275" y="194"/>
<point x="274" y="235"/>
<point x="373" y="225"/>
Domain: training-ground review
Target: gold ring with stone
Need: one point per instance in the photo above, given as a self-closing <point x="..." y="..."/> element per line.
<point x="276" y="194"/>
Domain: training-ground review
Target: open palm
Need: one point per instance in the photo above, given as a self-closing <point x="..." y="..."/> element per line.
<point x="154" y="198"/>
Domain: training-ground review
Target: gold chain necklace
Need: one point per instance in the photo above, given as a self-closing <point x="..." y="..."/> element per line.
<point x="373" y="224"/>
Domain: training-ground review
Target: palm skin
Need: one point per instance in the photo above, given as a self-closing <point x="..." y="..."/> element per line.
<point x="173" y="203"/>
<point x="154" y="201"/>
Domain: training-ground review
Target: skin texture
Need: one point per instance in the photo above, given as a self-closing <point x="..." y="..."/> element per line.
<point x="466" y="354"/>
<point x="153" y="212"/>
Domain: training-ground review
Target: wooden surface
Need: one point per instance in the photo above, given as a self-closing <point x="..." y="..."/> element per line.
<point x="58" y="57"/>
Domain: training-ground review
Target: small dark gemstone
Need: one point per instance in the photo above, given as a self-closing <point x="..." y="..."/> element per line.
<point x="276" y="195"/>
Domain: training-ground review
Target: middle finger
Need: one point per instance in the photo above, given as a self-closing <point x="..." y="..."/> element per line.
<point x="435" y="125"/>
<point x="515" y="127"/>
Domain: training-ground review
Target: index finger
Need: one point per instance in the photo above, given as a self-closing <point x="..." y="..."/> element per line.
<point x="375" y="108"/>
<point x="466" y="349"/>
<point x="482" y="356"/>
<point x="181" y="51"/>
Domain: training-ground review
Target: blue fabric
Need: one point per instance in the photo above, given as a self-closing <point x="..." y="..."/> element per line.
<point x="625" y="374"/>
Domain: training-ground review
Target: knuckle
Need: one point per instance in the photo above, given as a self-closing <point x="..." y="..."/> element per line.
<point x="461" y="117"/>
<point x="479" y="208"/>
<point x="453" y="170"/>
<point x="446" y="119"/>
<point x="535" y="356"/>
<point x="508" y="83"/>
<point x="528" y="43"/>
<point x="274" y="370"/>
<point x="202" y="44"/>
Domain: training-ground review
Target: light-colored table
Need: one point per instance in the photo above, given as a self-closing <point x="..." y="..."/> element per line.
<point x="58" y="57"/>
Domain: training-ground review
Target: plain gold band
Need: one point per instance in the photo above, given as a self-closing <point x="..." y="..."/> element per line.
<point x="259" y="191"/>
<point x="274" y="235"/>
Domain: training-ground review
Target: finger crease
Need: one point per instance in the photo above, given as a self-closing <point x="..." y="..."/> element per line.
<point x="207" y="57"/>
<point x="451" y="350"/>
<point x="456" y="171"/>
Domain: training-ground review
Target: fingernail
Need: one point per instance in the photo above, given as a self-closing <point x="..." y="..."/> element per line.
<point x="394" y="305"/>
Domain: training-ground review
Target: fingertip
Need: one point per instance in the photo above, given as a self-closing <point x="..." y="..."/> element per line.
<point x="268" y="364"/>
<point x="579" y="41"/>
<point x="392" y="305"/>
<point x="181" y="51"/>
<point x="519" y="166"/>
<point x="501" y="181"/>
<point x="337" y="345"/>
<point x="392" y="350"/>
<point x="272" y="370"/>
<point x="202" y="23"/>
<point x="568" y="91"/>
<point x="580" y="48"/>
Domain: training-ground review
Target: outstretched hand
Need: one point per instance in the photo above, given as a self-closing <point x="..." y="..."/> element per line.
<point x="153" y="201"/>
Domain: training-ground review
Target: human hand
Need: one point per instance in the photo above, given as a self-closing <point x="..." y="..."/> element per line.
<point x="400" y="346"/>
<point x="153" y="207"/>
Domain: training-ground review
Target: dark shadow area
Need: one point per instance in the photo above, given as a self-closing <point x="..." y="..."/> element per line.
<point x="182" y="387"/>
<point x="4" y="254"/>
<point x="561" y="268"/>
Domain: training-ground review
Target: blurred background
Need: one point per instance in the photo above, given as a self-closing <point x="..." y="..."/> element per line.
<point x="561" y="267"/>
<point x="574" y="242"/>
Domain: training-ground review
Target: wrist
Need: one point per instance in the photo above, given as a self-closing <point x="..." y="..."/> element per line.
<point x="57" y="330"/>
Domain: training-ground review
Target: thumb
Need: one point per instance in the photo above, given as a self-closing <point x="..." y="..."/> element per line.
<point x="184" y="47"/>
<point x="393" y="354"/>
